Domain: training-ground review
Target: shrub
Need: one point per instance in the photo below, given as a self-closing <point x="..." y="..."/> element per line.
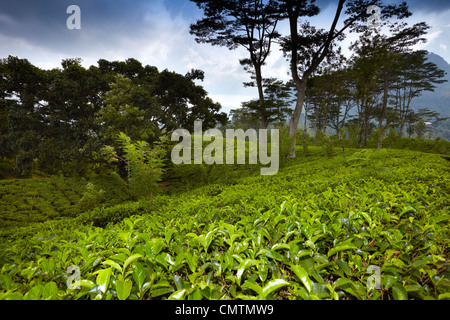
<point x="314" y="231"/>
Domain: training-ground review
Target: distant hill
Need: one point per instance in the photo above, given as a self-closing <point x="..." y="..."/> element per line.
<point x="439" y="100"/>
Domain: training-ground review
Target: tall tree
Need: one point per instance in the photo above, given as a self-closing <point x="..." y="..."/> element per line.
<point x="56" y="120"/>
<point x="310" y="46"/>
<point x="277" y="101"/>
<point x="23" y="91"/>
<point x="385" y="59"/>
<point x="332" y="88"/>
<point x="414" y="75"/>
<point x="250" y="24"/>
<point x="122" y="114"/>
<point x="182" y="102"/>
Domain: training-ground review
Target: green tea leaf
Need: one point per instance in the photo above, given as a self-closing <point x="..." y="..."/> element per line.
<point x="155" y="246"/>
<point x="253" y="286"/>
<point x="13" y="296"/>
<point x="113" y="264"/>
<point x="388" y="281"/>
<point x="243" y="266"/>
<point x="168" y="235"/>
<point x="344" y="266"/>
<point x="34" y="293"/>
<point x="179" y="282"/>
<point x="191" y="261"/>
<point x="280" y="246"/>
<point x="273" y="285"/>
<point x="178" y="295"/>
<point x="342" y="282"/>
<point x="130" y="259"/>
<point x="123" y="289"/>
<point x="84" y="283"/>
<point x="340" y="248"/>
<point x="303" y="276"/>
<point x="161" y="291"/>
<point x="444" y="296"/>
<point x="263" y="269"/>
<point x="103" y="278"/>
<point x="50" y="291"/>
<point x="139" y="275"/>
<point x="399" y="292"/>
<point x="195" y="295"/>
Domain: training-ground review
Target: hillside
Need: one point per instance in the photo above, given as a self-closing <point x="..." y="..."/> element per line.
<point x="439" y="100"/>
<point x="316" y="230"/>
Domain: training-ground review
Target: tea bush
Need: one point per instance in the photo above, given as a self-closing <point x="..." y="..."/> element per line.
<point x="316" y="230"/>
<point x="29" y="201"/>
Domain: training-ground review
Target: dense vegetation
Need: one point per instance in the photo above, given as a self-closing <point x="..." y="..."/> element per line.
<point x="310" y="232"/>
<point x="92" y="205"/>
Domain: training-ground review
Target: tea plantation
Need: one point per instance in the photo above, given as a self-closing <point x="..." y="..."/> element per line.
<point x="374" y="225"/>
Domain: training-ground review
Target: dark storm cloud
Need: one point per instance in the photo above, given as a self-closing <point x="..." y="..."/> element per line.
<point x="429" y="5"/>
<point x="44" y="22"/>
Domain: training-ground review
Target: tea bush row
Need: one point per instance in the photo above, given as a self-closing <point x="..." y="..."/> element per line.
<point x="314" y="231"/>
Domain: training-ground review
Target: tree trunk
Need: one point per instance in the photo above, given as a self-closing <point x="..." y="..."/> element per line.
<point x="293" y="123"/>
<point x="359" y="137"/>
<point x="305" y="138"/>
<point x="264" y="121"/>
<point x="383" y="112"/>
<point x="341" y="137"/>
<point x="366" y="131"/>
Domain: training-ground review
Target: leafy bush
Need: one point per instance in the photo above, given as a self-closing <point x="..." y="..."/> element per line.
<point x="28" y="201"/>
<point x="92" y="197"/>
<point x="329" y="143"/>
<point x="314" y="231"/>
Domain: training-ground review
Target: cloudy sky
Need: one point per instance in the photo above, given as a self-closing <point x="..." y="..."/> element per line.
<point x="156" y="32"/>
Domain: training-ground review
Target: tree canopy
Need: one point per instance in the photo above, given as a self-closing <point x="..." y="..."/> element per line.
<point x="54" y="120"/>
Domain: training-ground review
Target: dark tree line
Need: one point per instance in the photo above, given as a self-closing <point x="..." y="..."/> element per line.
<point x="58" y="120"/>
<point x="361" y="98"/>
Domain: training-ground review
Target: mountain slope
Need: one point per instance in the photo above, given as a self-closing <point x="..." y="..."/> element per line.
<point x="439" y="100"/>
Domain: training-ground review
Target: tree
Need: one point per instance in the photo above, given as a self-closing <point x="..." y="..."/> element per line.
<point x="58" y="120"/>
<point x="366" y="91"/>
<point x="144" y="163"/>
<point x="332" y="89"/>
<point x="277" y="101"/>
<point x="23" y="89"/>
<point x="308" y="48"/>
<point x="182" y="102"/>
<point x="120" y="114"/>
<point x="415" y="75"/>
<point x="385" y="69"/>
<point x="390" y="51"/>
<point x="250" y="24"/>
<point x="243" y="118"/>
<point x="422" y="121"/>
<point x="71" y="101"/>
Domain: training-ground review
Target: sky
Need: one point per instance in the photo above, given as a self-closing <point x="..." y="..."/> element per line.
<point x="156" y="32"/>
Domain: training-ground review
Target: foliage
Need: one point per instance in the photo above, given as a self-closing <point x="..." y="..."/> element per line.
<point x="276" y="105"/>
<point x="27" y="202"/>
<point x="144" y="163"/>
<point x="313" y="231"/>
<point x="91" y="197"/>
<point x="57" y="121"/>
<point x="250" y="24"/>
<point x="120" y="113"/>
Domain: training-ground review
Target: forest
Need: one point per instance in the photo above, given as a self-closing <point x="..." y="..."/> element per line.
<point x="93" y="206"/>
